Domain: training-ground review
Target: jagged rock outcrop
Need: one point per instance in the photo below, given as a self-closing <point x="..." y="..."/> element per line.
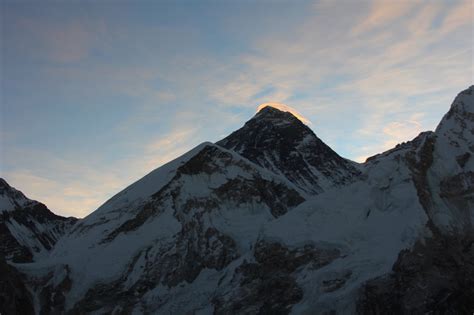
<point x="434" y="277"/>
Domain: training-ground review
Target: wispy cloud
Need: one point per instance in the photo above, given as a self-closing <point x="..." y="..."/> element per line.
<point x="382" y="13"/>
<point x="70" y="197"/>
<point x="458" y="16"/>
<point x="170" y="146"/>
<point x="398" y="56"/>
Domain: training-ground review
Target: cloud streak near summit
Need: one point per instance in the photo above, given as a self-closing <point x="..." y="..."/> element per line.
<point x="96" y="94"/>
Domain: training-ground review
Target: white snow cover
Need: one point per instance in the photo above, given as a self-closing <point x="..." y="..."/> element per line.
<point x="91" y="261"/>
<point x="375" y="220"/>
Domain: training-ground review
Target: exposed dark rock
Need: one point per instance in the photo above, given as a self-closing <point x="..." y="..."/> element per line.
<point x="267" y="286"/>
<point x="435" y="277"/>
<point x="146" y="212"/>
<point x="335" y="283"/>
<point x="419" y="161"/>
<point x="272" y="255"/>
<point x="458" y="192"/>
<point x="106" y="298"/>
<point x="52" y="298"/>
<point x="210" y="160"/>
<point x="10" y="249"/>
<point x="276" y="196"/>
<point x="14" y="296"/>
<point x="195" y="249"/>
<point x="458" y="186"/>
<point x="462" y="159"/>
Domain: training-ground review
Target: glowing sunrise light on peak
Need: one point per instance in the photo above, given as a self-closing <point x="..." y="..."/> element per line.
<point x="285" y="108"/>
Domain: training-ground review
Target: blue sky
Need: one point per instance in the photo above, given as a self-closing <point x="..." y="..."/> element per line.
<point x="94" y="95"/>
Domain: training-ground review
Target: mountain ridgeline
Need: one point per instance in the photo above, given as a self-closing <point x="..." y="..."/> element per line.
<point x="269" y="220"/>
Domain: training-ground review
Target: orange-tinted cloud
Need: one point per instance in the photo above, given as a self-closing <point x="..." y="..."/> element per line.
<point x="400" y="131"/>
<point x="285" y="108"/>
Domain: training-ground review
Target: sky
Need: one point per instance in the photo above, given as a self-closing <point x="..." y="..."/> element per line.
<point x="94" y="95"/>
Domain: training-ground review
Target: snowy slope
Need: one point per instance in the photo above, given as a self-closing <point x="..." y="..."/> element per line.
<point x="210" y="210"/>
<point x="271" y="220"/>
<point x="374" y="220"/>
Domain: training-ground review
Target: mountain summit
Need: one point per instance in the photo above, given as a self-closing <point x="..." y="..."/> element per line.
<point x="277" y="115"/>
<point x="280" y="142"/>
<point x="269" y="220"/>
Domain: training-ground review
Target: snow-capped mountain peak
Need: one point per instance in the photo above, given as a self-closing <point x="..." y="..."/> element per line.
<point x="281" y="143"/>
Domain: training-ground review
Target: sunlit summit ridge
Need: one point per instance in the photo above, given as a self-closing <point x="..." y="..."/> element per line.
<point x="285" y="108"/>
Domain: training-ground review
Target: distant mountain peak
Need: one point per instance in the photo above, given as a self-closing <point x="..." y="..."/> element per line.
<point x="28" y="228"/>
<point x="276" y="139"/>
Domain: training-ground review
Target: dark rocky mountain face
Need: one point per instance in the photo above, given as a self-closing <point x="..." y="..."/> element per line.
<point x="278" y="141"/>
<point x="269" y="220"/>
<point x="27" y="227"/>
<point x="434" y="277"/>
<point x="14" y="295"/>
<point x="436" y="274"/>
<point x="268" y="285"/>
